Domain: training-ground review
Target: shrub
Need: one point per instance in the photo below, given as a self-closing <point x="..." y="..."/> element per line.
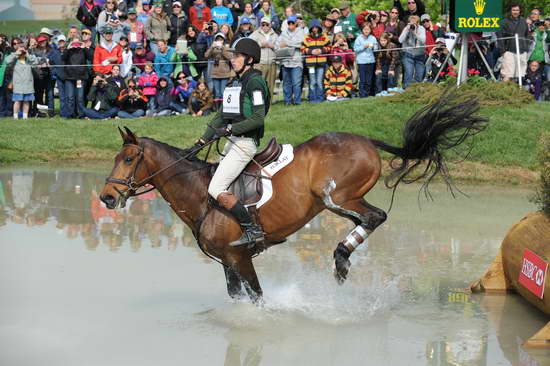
<point x="542" y="196"/>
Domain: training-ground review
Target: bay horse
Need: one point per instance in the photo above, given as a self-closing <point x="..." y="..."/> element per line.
<point x="331" y="171"/>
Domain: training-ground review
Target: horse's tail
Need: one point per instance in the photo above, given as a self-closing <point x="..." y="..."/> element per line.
<point x="428" y="134"/>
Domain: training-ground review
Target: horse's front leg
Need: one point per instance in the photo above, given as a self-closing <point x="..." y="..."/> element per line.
<point x="240" y="262"/>
<point x="233" y="281"/>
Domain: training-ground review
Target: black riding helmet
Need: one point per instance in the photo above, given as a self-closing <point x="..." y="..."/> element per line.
<point x="248" y="47"/>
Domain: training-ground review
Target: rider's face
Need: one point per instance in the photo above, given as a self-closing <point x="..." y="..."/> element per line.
<point x="238" y="62"/>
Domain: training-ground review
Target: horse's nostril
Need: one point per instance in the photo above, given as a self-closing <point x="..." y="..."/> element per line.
<point x="107" y="199"/>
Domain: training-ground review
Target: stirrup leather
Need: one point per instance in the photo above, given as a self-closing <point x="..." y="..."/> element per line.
<point x="252" y="234"/>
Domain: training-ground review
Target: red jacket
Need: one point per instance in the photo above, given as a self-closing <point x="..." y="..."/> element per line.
<point x="194" y="19"/>
<point x="430" y="39"/>
<point x="102" y="54"/>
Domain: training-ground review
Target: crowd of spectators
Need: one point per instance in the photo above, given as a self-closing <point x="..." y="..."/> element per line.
<point x="134" y="58"/>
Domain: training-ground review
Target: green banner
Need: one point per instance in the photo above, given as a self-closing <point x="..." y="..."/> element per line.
<point x="476" y="15"/>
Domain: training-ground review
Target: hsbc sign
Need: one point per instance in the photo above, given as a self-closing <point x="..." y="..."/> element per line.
<point x="533" y="273"/>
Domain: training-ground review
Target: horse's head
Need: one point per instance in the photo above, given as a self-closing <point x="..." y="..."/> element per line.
<point x="128" y="173"/>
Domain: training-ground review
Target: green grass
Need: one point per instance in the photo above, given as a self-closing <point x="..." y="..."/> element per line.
<point x="23" y="27"/>
<point x="510" y="140"/>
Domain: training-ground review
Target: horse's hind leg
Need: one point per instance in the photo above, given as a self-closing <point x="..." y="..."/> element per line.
<point x="234" y="287"/>
<point x="366" y="218"/>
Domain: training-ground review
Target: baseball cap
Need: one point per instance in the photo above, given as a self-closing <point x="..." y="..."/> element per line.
<point x="61" y="38"/>
<point x="245" y="20"/>
<point x="176" y="3"/>
<point x="46" y="31"/>
<point x="139" y="45"/>
<point x="335" y="10"/>
<point x="266" y="20"/>
<point x="107" y="29"/>
<point x="132" y="11"/>
<point x="336" y="58"/>
<point x="146" y="2"/>
<point x="425" y="17"/>
<point x="41" y="38"/>
<point x="344" y="5"/>
<point x="292" y="18"/>
<point x="86" y="30"/>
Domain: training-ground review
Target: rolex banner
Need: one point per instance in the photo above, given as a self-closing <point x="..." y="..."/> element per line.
<point x="476" y="15"/>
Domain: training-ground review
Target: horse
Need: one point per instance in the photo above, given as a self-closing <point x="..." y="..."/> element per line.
<point x="331" y="171"/>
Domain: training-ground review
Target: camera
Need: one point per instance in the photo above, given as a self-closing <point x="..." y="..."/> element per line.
<point x="413" y="27"/>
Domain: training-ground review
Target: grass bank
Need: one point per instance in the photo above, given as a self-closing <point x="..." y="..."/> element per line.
<point x="505" y="152"/>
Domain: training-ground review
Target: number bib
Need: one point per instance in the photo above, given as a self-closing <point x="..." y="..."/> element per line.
<point x="232" y="100"/>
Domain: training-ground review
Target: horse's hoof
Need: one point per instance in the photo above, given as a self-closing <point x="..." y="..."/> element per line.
<point x="341" y="270"/>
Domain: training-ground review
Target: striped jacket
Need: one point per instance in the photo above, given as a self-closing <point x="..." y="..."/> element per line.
<point x="322" y="42"/>
<point x="338" y="82"/>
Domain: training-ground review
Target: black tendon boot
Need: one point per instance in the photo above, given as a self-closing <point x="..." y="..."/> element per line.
<point x="252" y="233"/>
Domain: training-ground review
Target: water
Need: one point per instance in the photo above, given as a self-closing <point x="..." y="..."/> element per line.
<point x="82" y="285"/>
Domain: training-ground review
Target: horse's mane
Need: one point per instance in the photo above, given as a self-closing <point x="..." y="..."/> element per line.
<point x="175" y="150"/>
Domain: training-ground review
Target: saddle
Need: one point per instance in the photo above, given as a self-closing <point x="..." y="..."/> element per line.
<point x="248" y="186"/>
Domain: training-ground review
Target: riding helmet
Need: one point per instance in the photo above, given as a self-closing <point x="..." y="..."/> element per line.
<point x="249" y="47"/>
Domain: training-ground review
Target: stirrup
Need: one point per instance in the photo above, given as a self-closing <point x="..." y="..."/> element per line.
<point x="252" y="234"/>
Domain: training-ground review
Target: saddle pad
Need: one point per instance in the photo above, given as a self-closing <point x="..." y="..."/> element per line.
<point x="286" y="157"/>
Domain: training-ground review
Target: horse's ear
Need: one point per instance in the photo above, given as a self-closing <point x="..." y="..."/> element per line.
<point x="123" y="135"/>
<point x="130" y="137"/>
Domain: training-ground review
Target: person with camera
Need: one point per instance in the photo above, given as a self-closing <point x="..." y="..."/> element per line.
<point x="199" y="14"/>
<point x="341" y="48"/>
<point x="76" y="77"/>
<point x="103" y="97"/>
<point x="131" y="101"/>
<point x="221" y="70"/>
<point x="19" y="68"/>
<point x="107" y="53"/>
<point x="245" y="105"/>
<point x="157" y="27"/>
<point x="436" y="59"/>
<point x="88" y="14"/>
<point x="413" y="40"/>
<point x="109" y="18"/>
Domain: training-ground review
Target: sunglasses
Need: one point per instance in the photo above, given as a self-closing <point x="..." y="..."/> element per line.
<point x="267" y="24"/>
<point x="182" y="78"/>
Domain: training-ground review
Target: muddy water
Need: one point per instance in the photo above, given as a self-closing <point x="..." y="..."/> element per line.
<point x="82" y="285"/>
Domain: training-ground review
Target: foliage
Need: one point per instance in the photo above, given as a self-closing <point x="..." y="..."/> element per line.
<point x="486" y="92"/>
<point x="527" y="5"/>
<point x="542" y="196"/>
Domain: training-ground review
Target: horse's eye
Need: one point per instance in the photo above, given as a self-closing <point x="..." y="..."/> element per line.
<point x="129" y="159"/>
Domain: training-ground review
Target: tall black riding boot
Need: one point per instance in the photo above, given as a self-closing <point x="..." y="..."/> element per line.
<point x="252" y="233"/>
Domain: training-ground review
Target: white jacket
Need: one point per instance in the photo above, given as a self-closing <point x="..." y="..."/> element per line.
<point x="268" y="54"/>
<point x="294" y="40"/>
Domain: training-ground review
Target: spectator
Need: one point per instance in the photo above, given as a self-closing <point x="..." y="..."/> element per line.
<point x="395" y="26"/>
<point x="136" y="29"/>
<point x="347" y="23"/>
<point x="534" y="80"/>
<point x="381" y="26"/>
<point x="127" y="57"/>
<point x="58" y="74"/>
<point x="107" y="53"/>
<point x="103" y="97"/>
<point x="533" y="18"/>
<point x="221" y="71"/>
<point x="131" y="101"/>
<point x="184" y="58"/>
<point x="364" y="48"/>
<point x="436" y="60"/>
<point x="201" y="101"/>
<point x="43" y="79"/>
<point x="184" y="88"/>
<point x="87" y="39"/>
<point x="387" y="60"/>
<point x="245" y="30"/>
<point x="88" y="14"/>
<point x="163" y="103"/>
<point x="146" y="12"/>
<point x="206" y="38"/>
<point x="76" y="77"/>
<point x="178" y="23"/>
<point x="290" y="43"/>
<point x="433" y="32"/>
<point x="328" y="27"/>
<point x="73" y="33"/>
<point x="198" y="50"/>
<point x="337" y="81"/>
<point x="237" y="8"/>
<point x="148" y="81"/>
<point x="267" y="10"/>
<point x="115" y="79"/>
<point x="373" y="19"/>
<point x="157" y="27"/>
<point x="20" y="63"/>
<point x="541" y="39"/>
<point x="199" y="14"/>
<point x="413" y="38"/>
<point x="227" y="32"/>
<point x="316" y="46"/>
<point x="164" y="59"/>
<point x="288" y="12"/>
<point x="5" y="51"/>
<point x="249" y="13"/>
<point x="341" y="48"/>
<point x="140" y="57"/>
<point x="300" y="24"/>
<point x="267" y="38"/>
<point x="509" y="27"/>
<point x="108" y="18"/>
<point x="414" y="7"/>
<point x="221" y="14"/>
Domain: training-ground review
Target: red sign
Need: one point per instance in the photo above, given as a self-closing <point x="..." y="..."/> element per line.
<point x="533" y="273"/>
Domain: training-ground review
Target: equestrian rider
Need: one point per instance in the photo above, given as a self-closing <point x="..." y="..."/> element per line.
<point x="246" y="101"/>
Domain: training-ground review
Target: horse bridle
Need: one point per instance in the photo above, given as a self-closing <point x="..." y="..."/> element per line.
<point x="131" y="183"/>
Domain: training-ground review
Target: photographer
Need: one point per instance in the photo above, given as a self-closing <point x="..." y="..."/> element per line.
<point x="19" y="67"/>
<point x="103" y="97"/>
<point x="109" y="18"/>
<point x="76" y="77"/>
<point x="413" y="39"/>
<point x="221" y="70"/>
<point x="131" y="101"/>
<point x="437" y="57"/>
<point x="199" y="14"/>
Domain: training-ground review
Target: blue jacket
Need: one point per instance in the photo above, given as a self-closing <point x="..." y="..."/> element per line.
<point x="55" y="59"/>
<point x="166" y="69"/>
<point x="222" y="15"/>
<point x="365" y="55"/>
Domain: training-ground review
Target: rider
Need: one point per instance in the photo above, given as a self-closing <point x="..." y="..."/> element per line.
<point x="246" y="101"/>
